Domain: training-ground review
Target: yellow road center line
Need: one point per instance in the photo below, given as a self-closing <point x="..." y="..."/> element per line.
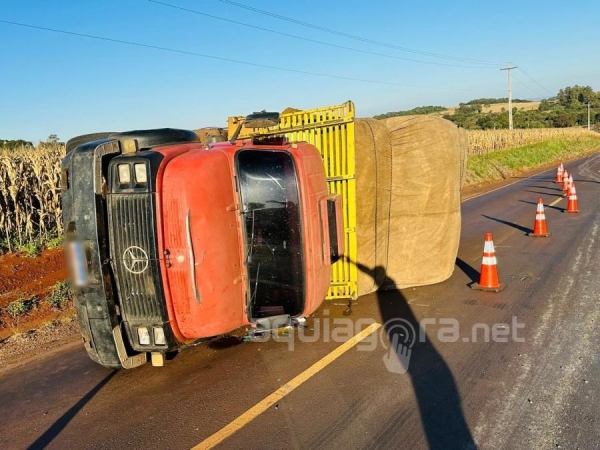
<point x="555" y="201"/>
<point x="284" y="390"/>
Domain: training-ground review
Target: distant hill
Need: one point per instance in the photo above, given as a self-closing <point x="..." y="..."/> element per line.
<point x="494" y="107"/>
<point x="421" y="110"/>
<point x="569" y="108"/>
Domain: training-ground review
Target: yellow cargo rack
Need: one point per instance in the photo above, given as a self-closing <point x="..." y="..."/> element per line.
<point x="331" y="130"/>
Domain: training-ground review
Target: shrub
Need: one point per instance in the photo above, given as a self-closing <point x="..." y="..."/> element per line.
<point x="31" y="249"/>
<point x="21" y="306"/>
<point x="56" y="242"/>
<point x="60" y="295"/>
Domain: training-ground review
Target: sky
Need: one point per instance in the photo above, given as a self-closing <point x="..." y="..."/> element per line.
<point x="75" y="67"/>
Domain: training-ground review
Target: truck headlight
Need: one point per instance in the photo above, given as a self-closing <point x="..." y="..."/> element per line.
<point x="141" y="175"/>
<point x="143" y="336"/>
<point x="124" y="174"/>
<point x="159" y="336"/>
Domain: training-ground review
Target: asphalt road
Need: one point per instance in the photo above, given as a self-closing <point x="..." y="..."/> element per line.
<point x="533" y="383"/>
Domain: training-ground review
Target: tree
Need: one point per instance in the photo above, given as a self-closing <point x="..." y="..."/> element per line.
<point x="52" y="139"/>
<point x="13" y="144"/>
<point x="576" y="96"/>
<point x="564" y="120"/>
<point x="546" y="105"/>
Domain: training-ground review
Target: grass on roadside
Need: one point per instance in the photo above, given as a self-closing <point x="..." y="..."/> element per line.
<point x="34" y="247"/>
<point x="30" y="249"/>
<point x="22" y="306"/>
<point x="60" y="296"/>
<point x="55" y="242"/>
<point x="503" y="164"/>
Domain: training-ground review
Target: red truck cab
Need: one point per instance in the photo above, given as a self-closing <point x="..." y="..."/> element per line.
<point x="171" y="241"/>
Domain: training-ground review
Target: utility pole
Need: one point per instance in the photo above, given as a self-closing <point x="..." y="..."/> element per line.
<point x="510" y="118"/>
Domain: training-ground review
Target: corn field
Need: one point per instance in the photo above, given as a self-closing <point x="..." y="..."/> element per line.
<point x="30" y="194"/>
<point x="485" y="141"/>
<point x="30" y="181"/>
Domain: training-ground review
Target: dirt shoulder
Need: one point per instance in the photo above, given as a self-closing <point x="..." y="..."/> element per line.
<point x="32" y="291"/>
<point x="52" y="336"/>
<point x="36" y="312"/>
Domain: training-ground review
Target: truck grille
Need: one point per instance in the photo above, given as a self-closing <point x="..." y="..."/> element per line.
<point x="134" y="256"/>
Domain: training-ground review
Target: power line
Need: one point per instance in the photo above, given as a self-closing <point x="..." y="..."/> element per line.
<point x="220" y="58"/>
<point x="528" y="87"/>
<point x="529" y="76"/>
<point x="315" y="41"/>
<point x="358" y="38"/>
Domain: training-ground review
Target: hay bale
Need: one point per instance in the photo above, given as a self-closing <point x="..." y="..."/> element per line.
<point x="373" y="180"/>
<point x="428" y="166"/>
<point x="290" y="110"/>
<point x="409" y="171"/>
<point x="211" y="134"/>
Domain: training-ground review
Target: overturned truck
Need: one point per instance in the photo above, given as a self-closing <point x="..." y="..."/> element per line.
<point x="170" y="240"/>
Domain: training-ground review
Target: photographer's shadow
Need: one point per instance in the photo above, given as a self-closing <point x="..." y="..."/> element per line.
<point x="435" y="389"/>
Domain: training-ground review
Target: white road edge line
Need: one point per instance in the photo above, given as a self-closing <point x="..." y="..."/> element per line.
<point x="505" y="186"/>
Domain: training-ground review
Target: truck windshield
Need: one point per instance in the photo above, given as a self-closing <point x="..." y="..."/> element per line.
<point x="272" y="227"/>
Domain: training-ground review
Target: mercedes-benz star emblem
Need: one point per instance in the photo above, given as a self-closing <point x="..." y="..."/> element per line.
<point x="135" y="259"/>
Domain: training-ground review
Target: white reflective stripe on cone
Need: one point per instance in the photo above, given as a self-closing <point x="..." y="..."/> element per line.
<point x="488" y="247"/>
<point x="489" y="261"/>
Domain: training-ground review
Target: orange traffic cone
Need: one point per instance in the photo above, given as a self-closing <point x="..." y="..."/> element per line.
<point x="559" y="173"/>
<point x="565" y="180"/>
<point x="570" y="183"/>
<point x="540" y="229"/>
<point x="572" y="205"/>
<point x="488" y="278"/>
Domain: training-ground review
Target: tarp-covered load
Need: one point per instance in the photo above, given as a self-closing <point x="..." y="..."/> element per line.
<point x="209" y="135"/>
<point x="374" y="183"/>
<point x="408" y="174"/>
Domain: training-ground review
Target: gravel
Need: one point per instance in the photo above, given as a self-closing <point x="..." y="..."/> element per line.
<point x="17" y="349"/>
